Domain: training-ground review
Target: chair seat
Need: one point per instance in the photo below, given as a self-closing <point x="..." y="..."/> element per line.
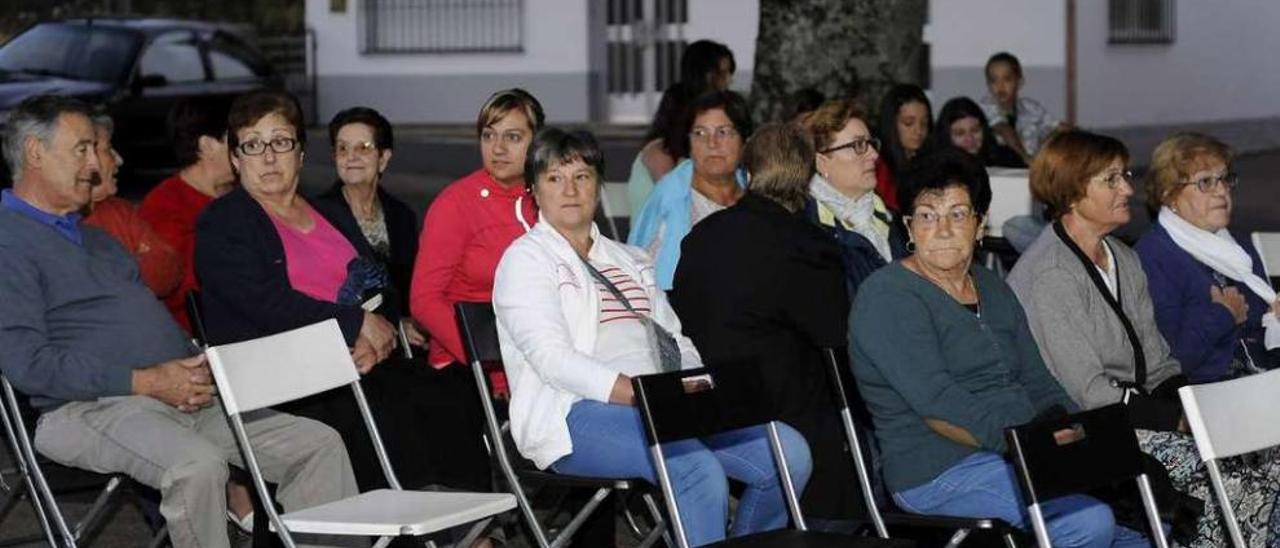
<point x="792" y="538"/>
<point x="945" y="522"/>
<point x="388" y="512"/>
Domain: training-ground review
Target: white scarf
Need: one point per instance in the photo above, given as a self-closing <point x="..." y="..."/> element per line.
<point x="1224" y="255"/>
<point x="858" y="214"/>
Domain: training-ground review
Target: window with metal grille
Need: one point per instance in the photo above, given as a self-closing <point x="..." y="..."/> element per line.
<point x="432" y="26"/>
<point x="1141" y="21"/>
<point x="626" y="71"/>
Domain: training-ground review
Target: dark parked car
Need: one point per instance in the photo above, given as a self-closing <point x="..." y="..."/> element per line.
<point x="138" y="67"/>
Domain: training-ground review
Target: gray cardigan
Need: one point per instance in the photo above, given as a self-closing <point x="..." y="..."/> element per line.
<point x="1081" y="338"/>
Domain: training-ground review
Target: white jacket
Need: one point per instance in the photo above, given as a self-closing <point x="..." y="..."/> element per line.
<point x="548" y="311"/>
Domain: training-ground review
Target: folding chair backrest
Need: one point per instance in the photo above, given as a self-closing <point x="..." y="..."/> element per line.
<point x="1102" y="451"/>
<point x="841" y="385"/>
<point x="479" y="328"/>
<point x="1268" y="246"/>
<point x="283" y="367"/>
<point x="694" y="403"/>
<point x="195" y="315"/>
<point x="1234" y="417"/>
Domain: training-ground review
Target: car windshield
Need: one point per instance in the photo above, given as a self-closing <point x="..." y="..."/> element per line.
<point x="76" y="52"/>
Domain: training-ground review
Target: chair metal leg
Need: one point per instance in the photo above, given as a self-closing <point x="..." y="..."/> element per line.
<point x="160" y="538"/>
<point x="97" y="510"/>
<point x="1224" y="504"/>
<point x="659" y="524"/>
<point x="1041" y="529"/>
<point x="1009" y="542"/>
<point x="1153" y="514"/>
<point x="474" y="533"/>
<point x="669" y="493"/>
<point x="567" y="533"/>
<point x="957" y="538"/>
<point x="382" y="542"/>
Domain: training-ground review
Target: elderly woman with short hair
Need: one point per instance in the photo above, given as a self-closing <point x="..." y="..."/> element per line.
<point x="943" y="357"/>
<point x="574" y="312"/>
<point x="715" y="126"/>
<point x="1089" y="307"/>
<point x="1213" y="302"/>
<point x="785" y="305"/>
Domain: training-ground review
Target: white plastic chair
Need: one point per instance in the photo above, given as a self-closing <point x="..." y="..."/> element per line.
<point x="264" y="372"/>
<point x="1230" y="418"/>
<point x="1268" y="246"/>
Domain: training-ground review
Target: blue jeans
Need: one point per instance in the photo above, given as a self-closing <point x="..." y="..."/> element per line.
<point x="982" y="485"/>
<point x="609" y="442"/>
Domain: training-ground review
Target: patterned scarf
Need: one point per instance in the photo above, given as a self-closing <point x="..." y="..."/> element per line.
<point x="857" y="214"/>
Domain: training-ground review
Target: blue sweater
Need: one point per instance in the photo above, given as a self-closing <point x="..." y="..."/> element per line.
<point x="1201" y="334"/>
<point x="919" y="354"/>
<point x="668" y="208"/>
<point x="76" y="319"/>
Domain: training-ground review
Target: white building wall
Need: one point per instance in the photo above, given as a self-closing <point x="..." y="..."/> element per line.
<point x="1221" y="66"/>
<point x="963" y="34"/>
<point x="450" y="87"/>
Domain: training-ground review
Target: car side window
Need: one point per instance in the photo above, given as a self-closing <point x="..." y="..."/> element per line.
<point x="175" y="56"/>
<point x="231" y="59"/>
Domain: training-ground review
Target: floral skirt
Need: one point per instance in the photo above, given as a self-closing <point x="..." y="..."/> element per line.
<point x="1252" y="482"/>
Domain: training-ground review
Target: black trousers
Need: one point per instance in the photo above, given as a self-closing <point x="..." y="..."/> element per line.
<point x="429" y="419"/>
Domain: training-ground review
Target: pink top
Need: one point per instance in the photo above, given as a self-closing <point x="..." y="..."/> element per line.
<point x="316" y="260"/>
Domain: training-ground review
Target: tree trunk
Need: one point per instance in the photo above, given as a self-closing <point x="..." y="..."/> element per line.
<point x="837" y="47"/>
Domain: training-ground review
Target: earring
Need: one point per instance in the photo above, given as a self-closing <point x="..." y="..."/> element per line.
<point x="911" y="246"/>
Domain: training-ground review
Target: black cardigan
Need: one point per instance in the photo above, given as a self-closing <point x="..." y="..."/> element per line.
<point x="758" y="286"/>
<point x="244" y="282"/>
<point x="402" y="232"/>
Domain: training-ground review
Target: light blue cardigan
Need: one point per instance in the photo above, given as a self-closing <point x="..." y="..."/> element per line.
<point x="669" y="206"/>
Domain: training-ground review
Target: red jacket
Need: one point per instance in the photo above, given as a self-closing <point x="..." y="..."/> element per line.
<point x="160" y="265"/>
<point x="886" y="187"/>
<point x="466" y="230"/>
<point x="172" y="208"/>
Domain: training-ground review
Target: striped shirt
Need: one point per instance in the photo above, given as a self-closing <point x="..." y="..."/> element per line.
<point x="612" y="309"/>
<point x="623" y="342"/>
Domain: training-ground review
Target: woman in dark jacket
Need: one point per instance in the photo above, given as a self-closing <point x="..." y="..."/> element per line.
<point x="269" y="261"/>
<point x="842" y="201"/>
<point x="759" y="286"/>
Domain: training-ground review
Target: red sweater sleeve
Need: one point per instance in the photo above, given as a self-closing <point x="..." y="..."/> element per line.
<point x="160" y="263"/>
<point x="444" y="239"/>
<point x="886" y="187"/>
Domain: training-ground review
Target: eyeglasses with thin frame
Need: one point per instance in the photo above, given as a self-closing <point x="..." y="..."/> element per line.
<point x="363" y="148"/>
<point x="859" y="146"/>
<point x="1207" y="183"/>
<point x="278" y="145"/>
<point x="928" y="218"/>
<point x="1112" y="180"/>
<point x="703" y="135"/>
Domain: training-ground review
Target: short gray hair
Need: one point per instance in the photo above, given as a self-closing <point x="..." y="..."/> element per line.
<point x="103" y="120"/>
<point x="36" y="117"/>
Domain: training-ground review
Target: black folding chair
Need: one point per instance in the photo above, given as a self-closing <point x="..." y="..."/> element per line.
<point x="696" y="403"/>
<point x="881" y="510"/>
<point x="15" y="412"/>
<point x="479" y="330"/>
<point x="1077" y="453"/>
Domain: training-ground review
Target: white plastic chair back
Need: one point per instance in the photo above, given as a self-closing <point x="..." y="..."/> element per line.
<point x="283" y="367"/>
<point x="1268" y="246"/>
<point x="1234" y="417"/>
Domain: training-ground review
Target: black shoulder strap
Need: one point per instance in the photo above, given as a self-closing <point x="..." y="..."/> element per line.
<point x="1139" y="357"/>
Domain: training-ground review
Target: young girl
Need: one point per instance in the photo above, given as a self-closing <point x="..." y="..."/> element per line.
<point x="905" y="121"/>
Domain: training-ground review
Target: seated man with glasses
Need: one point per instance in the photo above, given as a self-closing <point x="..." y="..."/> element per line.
<point x="1213" y="302"/>
<point x="120" y="386"/>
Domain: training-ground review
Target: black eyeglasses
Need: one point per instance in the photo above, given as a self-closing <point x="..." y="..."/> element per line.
<point x="278" y="145"/>
<point x="1207" y="183"/>
<point x="859" y="146"/>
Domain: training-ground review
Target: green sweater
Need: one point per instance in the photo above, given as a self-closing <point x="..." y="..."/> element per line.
<point x="918" y="353"/>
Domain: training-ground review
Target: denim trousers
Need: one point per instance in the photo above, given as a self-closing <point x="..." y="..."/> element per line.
<point x="983" y="485"/>
<point x="609" y="442"/>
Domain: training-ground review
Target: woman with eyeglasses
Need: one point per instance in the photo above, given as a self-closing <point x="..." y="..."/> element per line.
<point x="944" y="360"/>
<point x="716" y="125"/>
<point x="269" y="261"/>
<point x="842" y="199"/>
<point x="1090" y="308"/>
<point x="1213" y="301"/>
